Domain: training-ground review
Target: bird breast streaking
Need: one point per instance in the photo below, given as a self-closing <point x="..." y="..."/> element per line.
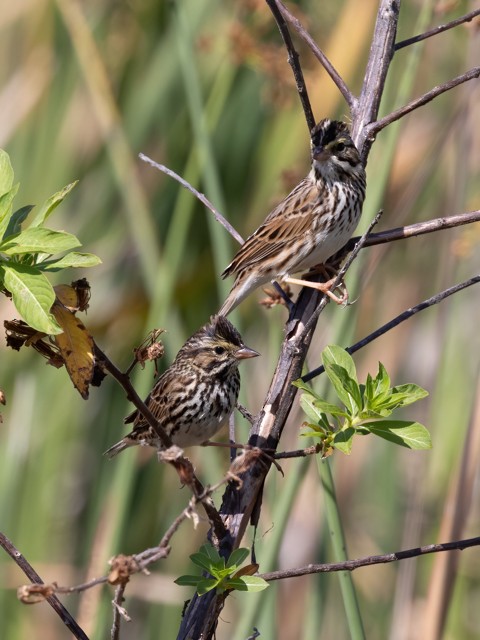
<point x="311" y="224"/>
<point x="193" y="399"/>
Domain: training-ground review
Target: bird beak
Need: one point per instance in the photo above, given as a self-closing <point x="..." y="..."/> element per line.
<point x="320" y="154"/>
<point x="246" y="352"/>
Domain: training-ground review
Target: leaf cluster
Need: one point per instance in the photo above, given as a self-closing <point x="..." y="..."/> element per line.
<point x="26" y="254"/>
<point x="225" y="575"/>
<point x="364" y="408"/>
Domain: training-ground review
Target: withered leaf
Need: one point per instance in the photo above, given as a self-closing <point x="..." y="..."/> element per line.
<point x="76" y="348"/>
<point x="34" y="593"/>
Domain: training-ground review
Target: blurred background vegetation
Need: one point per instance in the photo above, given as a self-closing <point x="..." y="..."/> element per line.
<point x="204" y="87"/>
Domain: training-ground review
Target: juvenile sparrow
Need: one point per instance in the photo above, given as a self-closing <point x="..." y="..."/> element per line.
<point x="310" y="225"/>
<point x="194" y="397"/>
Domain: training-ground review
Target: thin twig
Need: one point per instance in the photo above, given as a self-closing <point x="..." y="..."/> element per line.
<point x="33" y="576"/>
<point x="373" y="128"/>
<point x="203" y="199"/>
<point x="118" y="611"/>
<point x="436" y="30"/>
<point x="429" y="302"/>
<point x="351" y="565"/>
<point x="299" y="453"/>
<point x="294" y="62"/>
<point x="318" y="53"/>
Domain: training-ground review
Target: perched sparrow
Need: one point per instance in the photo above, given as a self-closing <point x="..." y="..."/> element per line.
<point x="195" y="396"/>
<point x="311" y="224"/>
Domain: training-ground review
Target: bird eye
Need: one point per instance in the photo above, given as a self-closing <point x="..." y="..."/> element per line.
<point x="219" y="350"/>
<point x="339" y="146"/>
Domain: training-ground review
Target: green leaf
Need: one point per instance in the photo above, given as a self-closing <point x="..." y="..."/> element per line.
<point x="350" y="385"/>
<point x="343" y="440"/>
<point x="340" y="379"/>
<point x="316" y="433"/>
<point x="332" y="409"/>
<point x="305" y="387"/>
<point x="341" y="376"/>
<point x="6" y="201"/>
<point x="307" y="402"/>
<point x="411" y="392"/>
<point x="72" y="259"/>
<point x="247" y="583"/>
<point x="16" y="220"/>
<point x="210" y="551"/>
<point x="51" y="204"/>
<point x="33" y="296"/>
<point x="369" y="392"/>
<point x="382" y="381"/>
<point x="403" y="432"/>
<point x="203" y="561"/>
<point x="6" y="172"/>
<point x="39" y="240"/>
<point x="205" y="585"/>
<point x="188" y="581"/>
<point x="237" y="558"/>
<point x="333" y="354"/>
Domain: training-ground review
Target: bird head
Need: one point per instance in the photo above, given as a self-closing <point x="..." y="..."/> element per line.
<point x="333" y="150"/>
<point x="217" y="346"/>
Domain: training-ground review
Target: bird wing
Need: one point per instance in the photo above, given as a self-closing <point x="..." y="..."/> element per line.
<point x="160" y="398"/>
<point x="283" y="226"/>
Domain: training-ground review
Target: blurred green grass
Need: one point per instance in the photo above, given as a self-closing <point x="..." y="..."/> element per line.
<point x="85" y="88"/>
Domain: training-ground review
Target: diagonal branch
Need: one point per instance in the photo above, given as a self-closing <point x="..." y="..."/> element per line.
<point x="406" y="315"/>
<point x="373" y="128"/>
<point x="317" y="52"/>
<point x="351" y="565"/>
<point x="436" y="30"/>
<point x="33" y="576"/>
<point x="294" y="62"/>
<point x="203" y="199"/>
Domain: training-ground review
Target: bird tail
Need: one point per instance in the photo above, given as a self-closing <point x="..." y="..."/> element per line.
<point x="229" y="304"/>
<point x="117" y="448"/>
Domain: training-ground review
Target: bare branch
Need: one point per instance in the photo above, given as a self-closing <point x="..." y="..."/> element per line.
<point x="429" y="302"/>
<point x="33" y="576"/>
<point x="293" y="60"/>
<point x="203" y="199"/>
<point x="381" y="54"/>
<point x="118" y="611"/>
<point x="351" y="565"/>
<point x="317" y="52"/>
<point x="436" y="30"/>
<point x="417" y="229"/>
<point x="375" y="127"/>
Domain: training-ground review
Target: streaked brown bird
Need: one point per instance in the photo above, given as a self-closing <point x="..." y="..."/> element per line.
<point x="310" y="225"/>
<point x="193" y="399"/>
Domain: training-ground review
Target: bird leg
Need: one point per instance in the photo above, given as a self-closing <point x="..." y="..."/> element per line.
<point x="324" y="287"/>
